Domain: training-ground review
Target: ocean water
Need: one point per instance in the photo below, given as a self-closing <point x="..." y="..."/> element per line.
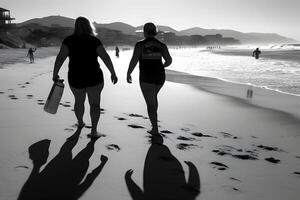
<point x="278" y="70"/>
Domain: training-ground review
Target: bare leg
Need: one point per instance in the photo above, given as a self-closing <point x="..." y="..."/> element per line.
<point x="80" y="95"/>
<point x="150" y="92"/>
<point x="94" y="96"/>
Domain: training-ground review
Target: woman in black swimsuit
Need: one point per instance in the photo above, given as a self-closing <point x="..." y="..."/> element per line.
<point x="149" y="53"/>
<point x="85" y="76"/>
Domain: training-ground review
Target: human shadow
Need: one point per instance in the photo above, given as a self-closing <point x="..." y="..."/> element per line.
<point x="62" y="177"/>
<point x="164" y="176"/>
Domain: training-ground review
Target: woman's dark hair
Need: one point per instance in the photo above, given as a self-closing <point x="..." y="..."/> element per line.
<point x="150" y="29"/>
<point x="83" y="26"/>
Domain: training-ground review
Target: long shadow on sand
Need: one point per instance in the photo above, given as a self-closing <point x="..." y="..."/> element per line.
<point x="164" y="176"/>
<point x="62" y="177"/>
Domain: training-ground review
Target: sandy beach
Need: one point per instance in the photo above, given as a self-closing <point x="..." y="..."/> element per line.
<point x="217" y="144"/>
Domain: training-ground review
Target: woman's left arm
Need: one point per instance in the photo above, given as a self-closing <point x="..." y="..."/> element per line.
<point x="167" y="57"/>
<point x="60" y="59"/>
<point x="133" y="62"/>
<point x="107" y="61"/>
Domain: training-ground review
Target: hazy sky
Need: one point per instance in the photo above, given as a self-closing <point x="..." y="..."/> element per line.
<point x="276" y="16"/>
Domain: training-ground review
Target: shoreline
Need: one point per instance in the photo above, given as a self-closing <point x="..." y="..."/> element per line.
<point x="209" y="84"/>
<point x="262" y="97"/>
<point x="15" y="56"/>
<point x="273" y="54"/>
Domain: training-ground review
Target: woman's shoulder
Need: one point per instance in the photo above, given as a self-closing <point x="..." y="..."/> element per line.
<point x="160" y="42"/>
<point x="140" y="42"/>
<point x="68" y="39"/>
<point x="95" y="39"/>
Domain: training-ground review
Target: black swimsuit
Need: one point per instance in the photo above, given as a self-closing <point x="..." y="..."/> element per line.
<point x="84" y="69"/>
<point x="151" y="66"/>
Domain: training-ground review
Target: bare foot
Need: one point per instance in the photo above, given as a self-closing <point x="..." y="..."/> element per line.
<point x="95" y="135"/>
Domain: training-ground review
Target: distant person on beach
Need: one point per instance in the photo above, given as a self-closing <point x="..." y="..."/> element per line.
<point x="149" y="53"/>
<point x="117" y="51"/>
<point x="250" y="92"/>
<point x="30" y="54"/>
<point x="85" y="76"/>
<point x="256" y="53"/>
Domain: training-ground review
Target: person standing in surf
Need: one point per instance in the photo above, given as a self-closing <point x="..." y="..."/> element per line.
<point x="149" y="53"/>
<point x="85" y="76"/>
<point x="30" y="54"/>
<point x="256" y="53"/>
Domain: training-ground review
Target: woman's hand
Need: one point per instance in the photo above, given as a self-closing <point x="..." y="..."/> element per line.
<point x="114" y="78"/>
<point x="129" y="80"/>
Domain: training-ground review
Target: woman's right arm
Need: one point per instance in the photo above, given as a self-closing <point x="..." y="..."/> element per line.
<point x="60" y="59"/>
<point x="167" y="57"/>
<point x="134" y="60"/>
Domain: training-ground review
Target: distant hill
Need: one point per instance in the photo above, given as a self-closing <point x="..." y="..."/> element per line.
<point x="119" y="26"/>
<point x="130" y="30"/>
<point x="243" y="37"/>
<point x="162" y="28"/>
<point x="50" y="21"/>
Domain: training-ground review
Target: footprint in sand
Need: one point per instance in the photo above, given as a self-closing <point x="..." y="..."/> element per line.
<point x="297" y="156"/>
<point x="69" y="129"/>
<point x="198" y="134"/>
<point x="234" y="179"/>
<point x="297" y="173"/>
<point x="113" y="147"/>
<point x="234" y="152"/>
<point x="272" y="160"/>
<point x="185" y="129"/>
<point x="166" y="132"/>
<point x="22" y="166"/>
<point x="134" y="115"/>
<point x="219" y="166"/>
<point x="185" y="138"/>
<point x="228" y="135"/>
<point x="29" y="96"/>
<point x="267" y="148"/>
<point x="23" y="86"/>
<point x="2" y="92"/>
<point x="121" y="118"/>
<point x="135" y="126"/>
<point x="27" y="83"/>
<point x="41" y="102"/>
<point x="137" y="115"/>
<point x="66" y="105"/>
<point x="184" y="146"/>
<point x="244" y="157"/>
<point x="13" y="97"/>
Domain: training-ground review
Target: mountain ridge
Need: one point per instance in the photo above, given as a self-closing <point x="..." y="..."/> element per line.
<point x="251" y="37"/>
